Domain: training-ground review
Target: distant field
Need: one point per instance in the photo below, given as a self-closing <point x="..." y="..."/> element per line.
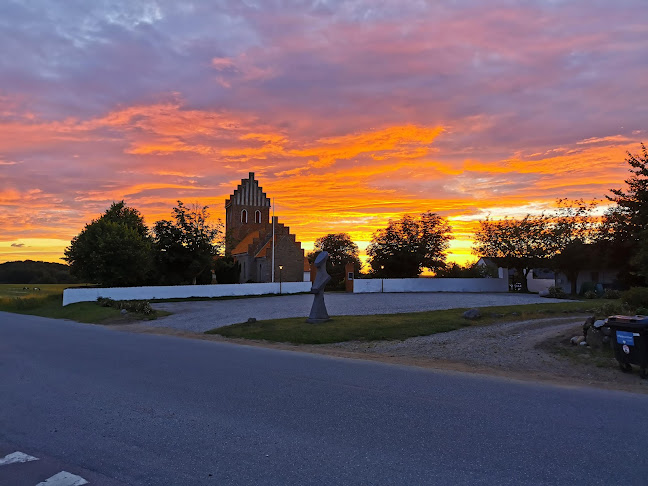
<point x="28" y="290"/>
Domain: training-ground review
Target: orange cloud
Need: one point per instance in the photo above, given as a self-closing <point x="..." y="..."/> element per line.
<point x="407" y="141"/>
<point x="353" y="182"/>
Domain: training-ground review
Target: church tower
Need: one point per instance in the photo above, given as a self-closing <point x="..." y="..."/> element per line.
<point x="247" y="210"/>
<point x="249" y="238"/>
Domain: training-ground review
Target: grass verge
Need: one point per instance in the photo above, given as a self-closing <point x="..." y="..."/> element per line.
<point x="226" y="297"/>
<point x="50" y="306"/>
<point x="560" y="345"/>
<point x="396" y="326"/>
<point x="47" y="302"/>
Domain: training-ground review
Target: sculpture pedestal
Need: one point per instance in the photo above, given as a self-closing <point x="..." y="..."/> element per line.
<point x="318" y="311"/>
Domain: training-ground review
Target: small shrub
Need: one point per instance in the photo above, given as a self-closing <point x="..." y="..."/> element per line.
<point x="587" y="287"/>
<point x="610" y="309"/>
<point x="611" y="294"/>
<point x="635" y="297"/>
<point x="105" y="302"/>
<point x="590" y="294"/>
<point x="136" y="306"/>
<point x="642" y="311"/>
<point x="556" y="292"/>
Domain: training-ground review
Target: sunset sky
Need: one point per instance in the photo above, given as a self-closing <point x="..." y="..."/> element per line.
<point x="349" y="113"/>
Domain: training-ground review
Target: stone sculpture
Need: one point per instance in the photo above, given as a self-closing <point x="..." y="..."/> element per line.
<point x="318" y="311"/>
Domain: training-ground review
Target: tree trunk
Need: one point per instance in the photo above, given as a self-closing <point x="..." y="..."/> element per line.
<point x="525" y="284"/>
<point x="573" y="280"/>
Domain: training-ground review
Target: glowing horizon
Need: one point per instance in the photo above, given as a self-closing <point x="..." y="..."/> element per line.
<point x="348" y="113"/>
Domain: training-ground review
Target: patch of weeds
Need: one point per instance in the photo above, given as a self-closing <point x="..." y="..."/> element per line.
<point x="585" y="355"/>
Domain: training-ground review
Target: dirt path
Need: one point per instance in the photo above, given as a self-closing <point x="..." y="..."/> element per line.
<point x="512" y="345"/>
<point x="537" y="350"/>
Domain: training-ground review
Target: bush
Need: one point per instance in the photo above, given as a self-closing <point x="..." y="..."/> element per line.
<point x="557" y="292"/>
<point x="610" y="309"/>
<point x="635" y="297"/>
<point x="611" y="294"/>
<point x="587" y="287"/>
<point x="136" y="306"/>
<point x="590" y="294"/>
<point x="105" y="302"/>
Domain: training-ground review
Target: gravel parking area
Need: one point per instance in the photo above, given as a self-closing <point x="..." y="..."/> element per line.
<point x="536" y="350"/>
<point x="200" y="316"/>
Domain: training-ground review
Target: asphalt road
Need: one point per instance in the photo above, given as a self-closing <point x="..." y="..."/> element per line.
<point x="141" y="409"/>
<point x="200" y="316"/>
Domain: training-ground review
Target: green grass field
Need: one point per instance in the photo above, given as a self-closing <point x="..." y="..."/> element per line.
<point x="396" y="326"/>
<point x="27" y="290"/>
<point x="47" y="302"/>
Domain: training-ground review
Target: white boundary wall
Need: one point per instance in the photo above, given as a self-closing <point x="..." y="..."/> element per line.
<point x="361" y="286"/>
<point x="72" y="296"/>
<point x="539" y="284"/>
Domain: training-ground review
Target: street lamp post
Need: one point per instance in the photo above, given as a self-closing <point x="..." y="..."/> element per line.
<point x="382" y="279"/>
<point x="280" y="278"/>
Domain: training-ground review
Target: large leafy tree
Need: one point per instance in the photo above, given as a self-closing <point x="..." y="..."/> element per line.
<point x="571" y="233"/>
<point x="186" y="246"/>
<point x="561" y="240"/>
<point x="625" y="225"/>
<point x="521" y="244"/>
<point x="470" y="270"/>
<point x="341" y="250"/>
<point x="227" y="270"/>
<point x="113" y="250"/>
<point x="408" y="245"/>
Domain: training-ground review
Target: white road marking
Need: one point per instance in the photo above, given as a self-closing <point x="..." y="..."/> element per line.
<point x="16" y="457"/>
<point x="64" y="478"/>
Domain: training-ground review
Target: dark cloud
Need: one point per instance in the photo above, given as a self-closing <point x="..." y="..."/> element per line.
<point x="17" y="245"/>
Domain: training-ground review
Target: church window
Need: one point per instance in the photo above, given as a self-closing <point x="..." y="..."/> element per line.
<point x="257" y="216"/>
<point x="244" y="216"/>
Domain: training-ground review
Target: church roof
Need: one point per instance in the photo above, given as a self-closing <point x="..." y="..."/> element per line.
<point x="243" y="245"/>
<point x="263" y="252"/>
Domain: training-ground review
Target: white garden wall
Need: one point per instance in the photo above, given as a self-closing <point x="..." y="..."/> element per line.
<point x="72" y="296"/>
<point x="539" y="284"/>
<point x="430" y="285"/>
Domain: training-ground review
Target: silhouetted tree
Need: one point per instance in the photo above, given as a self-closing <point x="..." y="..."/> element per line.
<point x="573" y="230"/>
<point x="626" y="223"/>
<point x="472" y="270"/>
<point x="186" y="246"/>
<point x="341" y="250"/>
<point x="521" y="244"/>
<point x="227" y="270"/>
<point x="113" y="250"/>
<point x="408" y="245"/>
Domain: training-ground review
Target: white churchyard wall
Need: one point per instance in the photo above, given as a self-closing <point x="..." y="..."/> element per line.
<point x="361" y="286"/>
<point x="74" y="295"/>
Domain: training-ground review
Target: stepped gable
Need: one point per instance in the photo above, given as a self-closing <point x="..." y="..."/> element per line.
<point x="246" y="210"/>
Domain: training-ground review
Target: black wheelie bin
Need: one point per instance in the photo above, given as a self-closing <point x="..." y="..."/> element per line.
<point x="630" y="341"/>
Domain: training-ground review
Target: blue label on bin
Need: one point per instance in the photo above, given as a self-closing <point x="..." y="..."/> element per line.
<point x="624" y="337"/>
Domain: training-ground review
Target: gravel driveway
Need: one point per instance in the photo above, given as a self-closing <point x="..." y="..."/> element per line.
<point x="200" y="316"/>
